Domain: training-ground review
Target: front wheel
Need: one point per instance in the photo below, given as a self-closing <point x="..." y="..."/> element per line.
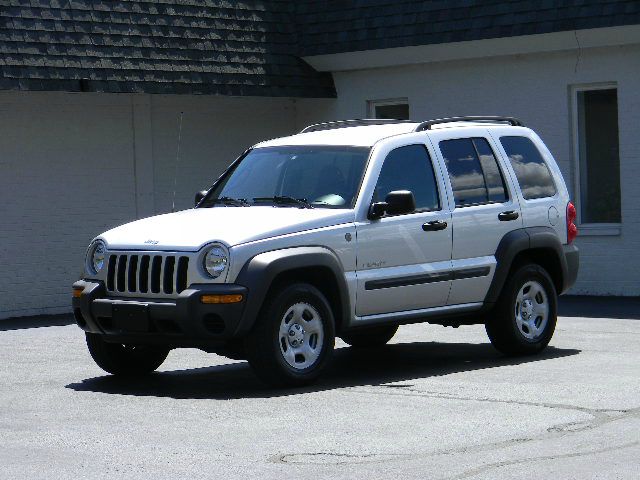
<point x="125" y="360"/>
<point x="525" y="316"/>
<point x="293" y="338"/>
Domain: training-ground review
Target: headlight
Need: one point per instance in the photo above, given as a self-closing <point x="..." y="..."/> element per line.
<point x="215" y="261"/>
<point x="95" y="258"/>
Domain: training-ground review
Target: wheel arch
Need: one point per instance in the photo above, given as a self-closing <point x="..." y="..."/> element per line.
<point x="267" y="271"/>
<point x="539" y="245"/>
<point x="545" y="257"/>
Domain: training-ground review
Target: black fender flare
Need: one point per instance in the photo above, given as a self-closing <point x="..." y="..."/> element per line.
<point x="521" y="240"/>
<point x="259" y="272"/>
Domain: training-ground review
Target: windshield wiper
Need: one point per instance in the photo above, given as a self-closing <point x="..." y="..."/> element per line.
<point x="236" y="202"/>
<point x="285" y="200"/>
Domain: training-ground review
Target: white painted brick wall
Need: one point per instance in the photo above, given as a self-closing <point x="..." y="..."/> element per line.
<point x="67" y="173"/>
<point x="534" y="88"/>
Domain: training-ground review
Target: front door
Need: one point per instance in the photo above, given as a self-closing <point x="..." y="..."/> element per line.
<point x="404" y="261"/>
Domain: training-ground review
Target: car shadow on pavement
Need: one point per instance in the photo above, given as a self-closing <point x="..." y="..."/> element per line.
<point x="400" y="362"/>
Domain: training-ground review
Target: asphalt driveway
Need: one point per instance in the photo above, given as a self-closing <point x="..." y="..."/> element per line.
<point x="436" y="403"/>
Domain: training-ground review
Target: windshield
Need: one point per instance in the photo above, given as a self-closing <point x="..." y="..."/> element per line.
<point x="300" y="176"/>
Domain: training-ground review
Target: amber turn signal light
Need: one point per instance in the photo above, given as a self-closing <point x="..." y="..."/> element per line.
<point x="209" y="299"/>
<point x="77" y="291"/>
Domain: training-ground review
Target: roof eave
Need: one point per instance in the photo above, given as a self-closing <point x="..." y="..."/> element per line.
<point x="492" y="47"/>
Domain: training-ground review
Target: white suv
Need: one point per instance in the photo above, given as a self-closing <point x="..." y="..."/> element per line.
<point x="347" y="229"/>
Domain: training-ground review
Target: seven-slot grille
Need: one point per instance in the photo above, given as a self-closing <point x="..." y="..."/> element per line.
<point x="147" y="273"/>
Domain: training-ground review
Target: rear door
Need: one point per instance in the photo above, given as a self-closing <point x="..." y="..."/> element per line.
<point x="484" y="206"/>
<point x="404" y="261"/>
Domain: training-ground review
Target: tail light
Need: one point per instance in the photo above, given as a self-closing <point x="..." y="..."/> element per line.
<point x="572" y="230"/>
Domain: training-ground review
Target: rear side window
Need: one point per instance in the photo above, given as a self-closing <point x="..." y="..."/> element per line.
<point x="474" y="172"/>
<point x="531" y="171"/>
<point x="409" y="168"/>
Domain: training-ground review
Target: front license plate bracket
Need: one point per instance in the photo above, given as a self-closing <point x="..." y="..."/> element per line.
<point x="131" y="317"/>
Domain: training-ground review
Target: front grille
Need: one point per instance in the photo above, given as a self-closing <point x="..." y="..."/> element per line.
<point x="152" y="274"/>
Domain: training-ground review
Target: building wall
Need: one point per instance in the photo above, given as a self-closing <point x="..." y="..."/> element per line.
<point x="534" y="88"/>
<point x="74" y="165"/>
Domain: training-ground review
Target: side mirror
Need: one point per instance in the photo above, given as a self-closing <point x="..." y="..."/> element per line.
<point x="397" y="202"/>
<point x="400" y="202"/>
<point x="199" y="196"/>
<point x="377" y="210"/>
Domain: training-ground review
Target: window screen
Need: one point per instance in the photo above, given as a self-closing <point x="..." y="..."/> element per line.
<point x="599" y="156"/>
<point x="409" y="168"/>
<point x="474" y="172"/>
<point x="398" y="111"/>
<point x="531" y="171"/>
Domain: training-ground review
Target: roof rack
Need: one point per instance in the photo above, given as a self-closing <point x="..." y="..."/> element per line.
<point x="488" y="119"/>
<point x="351" y="123"/>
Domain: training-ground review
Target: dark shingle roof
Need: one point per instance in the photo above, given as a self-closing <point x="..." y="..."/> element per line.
<point x="250" y="47"/>
<point x="336" y="26"/>
<point x="223" y="47"/>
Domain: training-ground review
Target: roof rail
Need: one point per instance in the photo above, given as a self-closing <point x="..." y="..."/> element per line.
<point x="484" y="119"/>
<point x="351" y="123"/>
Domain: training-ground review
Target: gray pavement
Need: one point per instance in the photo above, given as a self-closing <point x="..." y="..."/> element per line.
<point x="436" y="403"/>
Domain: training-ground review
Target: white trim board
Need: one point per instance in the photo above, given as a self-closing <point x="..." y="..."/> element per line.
<point x="492" y="47"/>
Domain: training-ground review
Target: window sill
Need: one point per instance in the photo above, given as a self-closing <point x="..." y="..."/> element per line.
<point x="602" y="230"/>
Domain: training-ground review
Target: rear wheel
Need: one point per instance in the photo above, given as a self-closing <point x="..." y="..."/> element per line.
<point x="525" y="316"/>
<point x="370" y="337"/>
<point x="125" y="360"/>
<point x="293" y="338"/>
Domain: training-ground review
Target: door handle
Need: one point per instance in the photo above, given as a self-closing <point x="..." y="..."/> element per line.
<point x="434" y="226"/>
<point x="508" y="216"/>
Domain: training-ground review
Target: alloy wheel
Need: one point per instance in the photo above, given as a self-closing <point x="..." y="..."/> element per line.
<point x="532" y="310"/>
<point x="301" y="336"/>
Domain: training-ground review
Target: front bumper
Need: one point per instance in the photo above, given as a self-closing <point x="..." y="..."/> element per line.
<point x="180" y="322"/>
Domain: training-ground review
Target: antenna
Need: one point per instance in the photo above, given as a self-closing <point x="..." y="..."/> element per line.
<point x="175" y="173"/>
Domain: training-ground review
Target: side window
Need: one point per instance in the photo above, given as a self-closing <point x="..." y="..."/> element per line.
<point x="496" y="190"/>
<point x="391" y="108"/>
<point x="474" y="172"/>
<point x="531" y="171"/>
<point x="409" y="168"/>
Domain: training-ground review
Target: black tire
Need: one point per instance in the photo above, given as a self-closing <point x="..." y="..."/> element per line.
<point x="370" y="337"/>
<point x="125" y="360"/>
<point x="265" y="346"/>
<point x="502" y="323"/>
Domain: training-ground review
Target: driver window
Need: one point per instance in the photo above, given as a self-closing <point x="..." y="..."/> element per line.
<point x="409" y="168"/>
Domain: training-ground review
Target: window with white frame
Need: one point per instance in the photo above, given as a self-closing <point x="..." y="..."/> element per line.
<point x="396" y="108"/>
<point x="596" y="146"/>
